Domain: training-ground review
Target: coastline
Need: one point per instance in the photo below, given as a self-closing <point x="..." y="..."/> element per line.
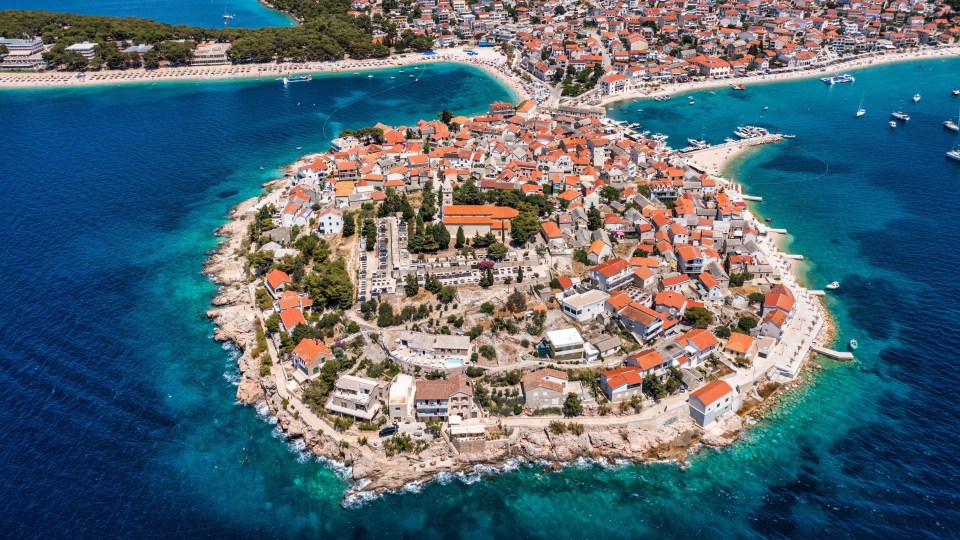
<point x="646" y="437"/>
<point x="488" y="60"/>
<point x="872" y="60"/>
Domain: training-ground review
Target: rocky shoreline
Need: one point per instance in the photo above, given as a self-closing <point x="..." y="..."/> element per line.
<point x="371" y="471"/>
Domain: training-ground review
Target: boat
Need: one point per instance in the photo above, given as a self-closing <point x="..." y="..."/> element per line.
<point x="955" y="153"/>
<point x="916" y="98"/>
<point x="698" y="144"/>
<point x="226" y="15"/>
<point x="834" y="285"/>
<point x="297" y="78"/>
<point x="853" y="344"/>
<point x="299" y="148"/>
<point x="892" y="123"/>
<point x="369" y="76"/>
<point x="737" y="86"/>
<point x="951" y="125"/>
<point x="860" y="110"/>
<point x="401" y="71"/>
<point x="765" y="107"/>
<point x="393" y="77"/>
<point x="789" y="136"/>
<point x="416" y="80"/>
<point x="838" y="79"/>
<point x="750" y="132"/>
<point x="956" y="92"/>
<point x="900" y="115"/>
<point x="768" y="220"/>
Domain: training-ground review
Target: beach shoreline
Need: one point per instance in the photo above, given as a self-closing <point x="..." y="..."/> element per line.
<point x="487" y="59"/>
<point x="872" y="60"/>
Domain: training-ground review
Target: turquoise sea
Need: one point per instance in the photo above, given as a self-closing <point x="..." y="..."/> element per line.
<point x="205" y="13"/>
<point x="118" y="407"/>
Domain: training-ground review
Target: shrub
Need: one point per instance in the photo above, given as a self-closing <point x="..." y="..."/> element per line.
<point x="488" y="352"/>
<point x="557" y="427"/>
<point x="576" y="428"/>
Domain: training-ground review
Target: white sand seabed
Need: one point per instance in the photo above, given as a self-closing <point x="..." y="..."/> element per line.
<point x="487" y="58"/>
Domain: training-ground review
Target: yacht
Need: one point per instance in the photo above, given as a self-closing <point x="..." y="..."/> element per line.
<point x="750" y="132"/>
<point x="296" y="78"/>
<point x="860" y="110"/>
<point x="838" y="79"/>
<point x="900" y="115"/>
<point x="952" y="126"/>
<point x="738" y="86"/>
<point x="955" y="153"/>
<point x="916" y="98"/>
<point x="226" y="16"/>
<point x="893" y="123"/>
<point x="698" y="144"/>
<point x="956" y="92"/>
<point x="834" y="285"/>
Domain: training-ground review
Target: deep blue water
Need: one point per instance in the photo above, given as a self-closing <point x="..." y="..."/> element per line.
<point x="205" y="13"/>
<point x="118" y="407"/>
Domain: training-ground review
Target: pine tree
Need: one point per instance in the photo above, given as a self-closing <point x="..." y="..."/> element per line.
<point x="519" y="274"/>
<point x="412" y="287"/>
<point x="461" y="238"/>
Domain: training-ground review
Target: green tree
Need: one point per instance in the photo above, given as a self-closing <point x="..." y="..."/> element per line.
<point x="349" y="225"/>
<point x="610" y="193"/>
<point x="461" y="239"/>
<point x="594" y="219"/>
<point x="722" y="332"/>
<point x="516" y="302"/>
<point x="446" y="116"/>
<point x="447" y="294"/>
<point x="497" y="251"/>
<point x="385" y="315"/>
<point x="756" y="298"/>
<point x="520" y="274"/>
<point x="572" y="406"/>
<point x="525" y="225"/>
<point x="412" y="287"/>
<point x="698" y="317"/>
<point x="746" y="324"/>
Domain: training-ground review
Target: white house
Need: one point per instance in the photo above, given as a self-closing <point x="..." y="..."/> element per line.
<point x="712" y="400"/>
<point x="585" y="306"/>
<point x="566" y="344"/>
<point x="330" y="222"/>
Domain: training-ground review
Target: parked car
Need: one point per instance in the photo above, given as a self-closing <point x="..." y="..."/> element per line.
<point x="387" y="431"/>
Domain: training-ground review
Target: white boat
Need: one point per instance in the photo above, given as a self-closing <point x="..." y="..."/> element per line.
<point x="892" y="123"/>
<point x="955" y="153"/>
<point x="854" y="344"/>
<point x="789" y="136"/>
<point x="952" y="126"/>
<point x="369" y="76"/>
<point x="900" y="115"/>
<point x="226" y="15"/>
<point x="956" y="92"/>
<point x="860" y="110"/>
<point x="916" y="98"/>
<point x="296" y="78"/>
<point x="834" y="285"/>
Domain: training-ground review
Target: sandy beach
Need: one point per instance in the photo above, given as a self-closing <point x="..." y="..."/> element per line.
<point x="488" y="59"/>
<point x="869" y="60"/>
<point x="715" y="158"/>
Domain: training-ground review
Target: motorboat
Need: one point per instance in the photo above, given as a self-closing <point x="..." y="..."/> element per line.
<point x="916" y="98"/>
<point x="892" y="123"/>
<point x="834" y="285"/>
<point x="853" y="344"/>
<point x="900" y="115"/>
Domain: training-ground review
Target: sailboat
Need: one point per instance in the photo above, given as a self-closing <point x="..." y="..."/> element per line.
<point x="955" y="153"/>
<point x="860" y="110"/>
<point x="226" y="15"/>
<point x="951" y="125"/>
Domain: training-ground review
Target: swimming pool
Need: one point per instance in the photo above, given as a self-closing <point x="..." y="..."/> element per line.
<point x="452" y="363"/>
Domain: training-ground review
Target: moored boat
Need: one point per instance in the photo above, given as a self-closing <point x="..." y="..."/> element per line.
<point x="951" y="125"/>
<point x="955" y="153"/>
<point x="834" y="285"/>
<point x="297" y="78"/>
<point x="916" y="98"/>
<point x="956" y="92"/>
<point x="853" y="344"/>
<point x="900" y="115"/>
<point x="892" y="123"/>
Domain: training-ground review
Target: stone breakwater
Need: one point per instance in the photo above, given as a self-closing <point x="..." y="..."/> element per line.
<point x="368" y="467"/>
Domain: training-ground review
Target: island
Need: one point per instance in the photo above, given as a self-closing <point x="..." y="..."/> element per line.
<point x="538" y="284"/>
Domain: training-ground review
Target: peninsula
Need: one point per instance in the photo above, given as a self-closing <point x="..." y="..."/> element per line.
<point x="535" y="283"/>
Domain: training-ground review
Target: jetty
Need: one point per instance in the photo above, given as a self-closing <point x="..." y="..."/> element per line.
<point x="753" y="198"/>
<point x="794" y="256"/>
<point x="817" y="292"/>
<point x="830" y="353"/>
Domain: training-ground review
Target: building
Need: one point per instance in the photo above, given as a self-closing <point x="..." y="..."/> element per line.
<point x="650" y="363"/>
<point x="402" y="399"/>
<point x="290" y="318"/>
<point x="276" y="282"/>
<point x="210" y="54"/>
<point x="445" y="398"/>
<point x="699" y="344"/>
<point x="565" y="345"/>
<point x="611" y="275"/>
<point x="740" y="345"/>
<point x="436" y="345"/>
<point x="330" y="222"/>
<point x="544" y="388"/>
<point x="622" y="383"/>
<point x="22" y="46"/>
<point x="479" y="219"/>
<point x="711" y="66"/>
<point x="23" y="54"/>
<point x="356" y="396"/>
<point x="309" y="357"/>
<point x="86" y="49"/>
<point x="642" y="321"/>
<point x="712" y="400"/>
<point x="585" y="306"/>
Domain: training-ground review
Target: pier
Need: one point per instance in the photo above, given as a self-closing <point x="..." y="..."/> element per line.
<point x="794" y="256"/>
<point x="780" y="231"/>
<point x="830" y="353"/>
<point x="753" y="198"/>
<point x="817" y="293"/>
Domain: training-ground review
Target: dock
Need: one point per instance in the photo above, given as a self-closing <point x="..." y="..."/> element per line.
<point x="753" y="198"/>
<point x="830" y="353"/>
<point x="794" y="256"/>
<point x="817" y="292"/>
<point x="780" y="231"/>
